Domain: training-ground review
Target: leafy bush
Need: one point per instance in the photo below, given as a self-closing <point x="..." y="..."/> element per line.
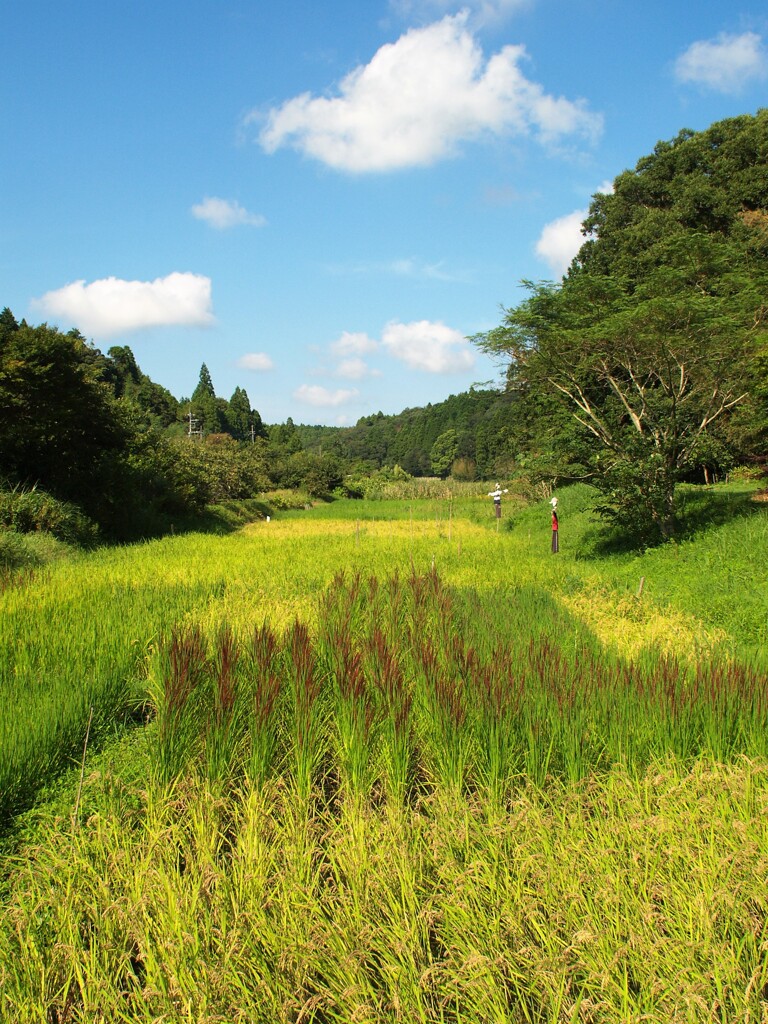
<point x="20" y="551"/>
<point x="747" y="474"/>
<point x="285" y="500"/>
<point x="34" y="511"/>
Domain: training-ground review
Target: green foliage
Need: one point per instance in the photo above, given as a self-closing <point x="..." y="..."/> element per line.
<point x="61" y="428"/>
<point x="650" y="340"/>
<point x="239" y="415"/>
<point x="318" y="475"/>
<point x="443" y="452"/>
<point x="31" y="511"/>
<point x="23" y="551"/>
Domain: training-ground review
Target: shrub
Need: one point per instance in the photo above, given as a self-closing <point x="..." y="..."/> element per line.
<point x="34" y="511"/>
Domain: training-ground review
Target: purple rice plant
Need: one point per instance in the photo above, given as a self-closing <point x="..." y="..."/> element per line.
<point x="183" y="666"/>
<point x="307" y="724"/>
<point x="384" y="666"/>
<point x="356" y="720"/>
<point x="263" y="672"/>
<point x="750" y="685"/>
<point x="672" y="704"/>
<point x="499" y="692"/>
<point x="446" y="709"/>
<point x="222" y="729"/>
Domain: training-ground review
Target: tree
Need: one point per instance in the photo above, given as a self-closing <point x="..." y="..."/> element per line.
<point x="8" y="324"/>
<point x="204" y="405"/>
<point x="239" y="415"/>
<point x="649" y="338"/>
<point x="443" y="452"/>
<point x="61" y="427"/>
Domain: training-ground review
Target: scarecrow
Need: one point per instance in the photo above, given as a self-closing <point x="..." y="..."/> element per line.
<point x="496" y="495"/>
<point x="555" y="527"/>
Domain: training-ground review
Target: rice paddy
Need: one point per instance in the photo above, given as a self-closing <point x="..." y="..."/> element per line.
<point x="386" y="762"/>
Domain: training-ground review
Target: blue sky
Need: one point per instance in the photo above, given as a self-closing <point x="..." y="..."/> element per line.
<point x="321" y="201"/>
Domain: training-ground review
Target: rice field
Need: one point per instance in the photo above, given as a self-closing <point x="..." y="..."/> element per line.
<point x="384" y="762"/>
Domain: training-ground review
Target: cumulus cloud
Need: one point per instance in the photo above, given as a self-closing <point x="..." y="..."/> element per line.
<point x="418" y="99"/>
<point x="351" y="343"/>
<point x="320" y="397"/>
<point x="259" y="362"/>
<point x="562" y="238"/>
<point x="432" y="347"/>
<point x="354" y="369"/>
<point x="724" y="64"/>
<point x="112" y="306"/>
<point x="225" y="213"/>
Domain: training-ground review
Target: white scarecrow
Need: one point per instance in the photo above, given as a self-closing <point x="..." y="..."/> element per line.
<point x="496" y="495"/>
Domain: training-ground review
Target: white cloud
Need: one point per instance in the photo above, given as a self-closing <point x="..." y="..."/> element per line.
<point x="354" y="368"/>
<point x="225" y="213"/>
<point x="432" y="347"/>
<point x="417" y="99"/>
<point x="724" y="64"/>
<point x="353" y="344"/>
<point x="562" y="238"/>
<point x="112" y="306"/>
<point x="256" y="361"/>
<point x="314" y="394"/>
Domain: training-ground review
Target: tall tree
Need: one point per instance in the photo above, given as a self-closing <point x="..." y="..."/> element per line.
<point x="649" y="339"/>
<point x="8" y="324"/>
<point x="239" y="415"/>
<point x="204" y="405"/>
<point x="443" y="452"/>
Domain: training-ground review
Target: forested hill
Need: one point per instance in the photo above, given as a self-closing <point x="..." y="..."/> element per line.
<point x="471" y="433"/>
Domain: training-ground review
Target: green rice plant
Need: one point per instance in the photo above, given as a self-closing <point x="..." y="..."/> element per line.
<point x="618" y="898"/>
<point x="355" y="719"/>
<point x="448" y="740"/>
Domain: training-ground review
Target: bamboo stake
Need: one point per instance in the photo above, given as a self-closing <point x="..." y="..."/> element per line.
<point x="82" y="770"/>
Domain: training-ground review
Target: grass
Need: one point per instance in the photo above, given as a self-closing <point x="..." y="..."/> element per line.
<point x="399" y="764"/>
